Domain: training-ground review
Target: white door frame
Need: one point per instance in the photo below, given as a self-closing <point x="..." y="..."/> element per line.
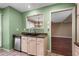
<point x="0" y="32"/>
<point x="73" y="25"/>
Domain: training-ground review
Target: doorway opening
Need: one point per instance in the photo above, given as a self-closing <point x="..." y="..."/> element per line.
<point x="61" y="32"/>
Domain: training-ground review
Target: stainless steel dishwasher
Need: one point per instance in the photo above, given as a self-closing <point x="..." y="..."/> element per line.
<point x="17" y="42"/>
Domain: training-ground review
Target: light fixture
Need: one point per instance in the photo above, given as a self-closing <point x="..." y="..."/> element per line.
<point x="29" y="6"/>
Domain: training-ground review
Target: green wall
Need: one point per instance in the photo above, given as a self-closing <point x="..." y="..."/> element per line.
<point x="47" y="16"/>
<point x="6" y="40"/>
<point x="12" y="20"/>
<point x="16" y="22"/>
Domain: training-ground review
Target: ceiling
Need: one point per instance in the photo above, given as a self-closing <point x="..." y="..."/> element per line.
<point x="61" y="16"/>
<point x="22" y="7"/>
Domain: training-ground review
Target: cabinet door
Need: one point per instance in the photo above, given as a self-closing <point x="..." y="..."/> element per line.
<point x="24" y="44"/>
<point x="40" y="47"/>
<point x="32" y="45"/>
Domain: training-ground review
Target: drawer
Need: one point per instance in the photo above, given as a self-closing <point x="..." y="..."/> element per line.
<point x="24" y="37"/>
<point x="40" y="40"/>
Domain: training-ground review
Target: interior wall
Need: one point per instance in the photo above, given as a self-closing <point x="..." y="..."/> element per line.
<point x="47" y="16"/>
<point x="15" y="25"/>
<point x="5" y="20"/>
<point x="62" y="30"/>
<point x="12" y="24"/>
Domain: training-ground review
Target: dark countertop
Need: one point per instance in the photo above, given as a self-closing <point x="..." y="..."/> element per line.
<point x="38" y="35"/>
<point x="16" y="35"/>
<point x="76" y="43"/>
<point x="24" y="33"/>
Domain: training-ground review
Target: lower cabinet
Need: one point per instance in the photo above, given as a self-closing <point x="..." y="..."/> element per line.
<point x="34" y="46"/>
<point x="41" y="46"/>
<point x="24" y="44"/>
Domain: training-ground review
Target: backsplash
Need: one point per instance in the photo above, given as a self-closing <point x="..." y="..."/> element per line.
<point x="35" y="30"/>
